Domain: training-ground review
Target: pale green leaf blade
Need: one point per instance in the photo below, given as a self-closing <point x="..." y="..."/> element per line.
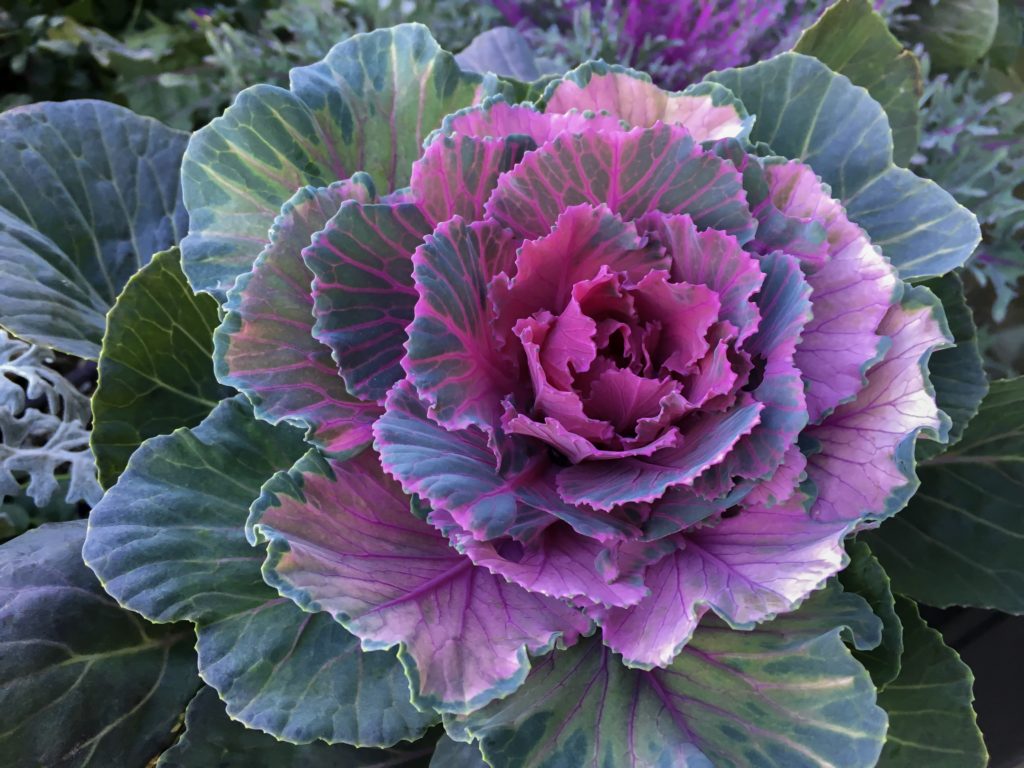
<point x="155" y="367"/>
<point x="88" y="192"/>
<point x="854" y="40"/>
<point x="83" y="682"/>
<point x="367" y="106"/>
<point x="931" y="721"/>
<point x="961" y="539"/>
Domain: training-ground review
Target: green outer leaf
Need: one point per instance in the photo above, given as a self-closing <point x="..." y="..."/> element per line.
<point x="958" y="372"/>
<point x="301" y="676"/>
<point x="155" y="368"/>
<point x="787" y="693"/>
<point x="88" y="191"/>
<point x="865" y="577"/>
<point x="854" y="40"/>
<point x="211" y="738"/>
<point x="367" y="106"/>
<point x="956" y="33"/>
<point x="823" y="119"/>
<point x="931" y="722"/>
<point x="168" y="540"/>
<point x="961" y="539"/>
<point x="82" y="681"/>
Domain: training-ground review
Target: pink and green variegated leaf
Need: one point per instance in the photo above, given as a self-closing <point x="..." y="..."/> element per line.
<point x="863" y="465"/>
<point x="452" y="359"/>
<point x="584" y="239"/>
<point x="342" y="540"/>
<point x="363" y="292"/>
<point x="367" y="106"/>
<point x="705" y="443"/>
<point x="558" y="563"/>
<point x="852" y="291"/>
<point x="265" y="346"/>
<point x="457" y="174"/>
<point x="747" y="568"/>
<point x="710" y="258"/>
<point x="459" y="473"/>
<point x="496" y="118"/>
<point x="785" y="304"/>
<point x="632" y="172"/>
<point x="707" y="110"/>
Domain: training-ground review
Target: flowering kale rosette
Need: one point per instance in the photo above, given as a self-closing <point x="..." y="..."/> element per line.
<point x="575" y="371"/>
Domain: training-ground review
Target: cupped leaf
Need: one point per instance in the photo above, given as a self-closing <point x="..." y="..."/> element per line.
<point x="265" y="346"/>
<point x="865" y="577"/>
<point x="211" y="738"/>
<point x="632" y="172"/>
<point x="957" y="373"/>
<point x="366" y="107"/>
<point x="854" y="40"/>
<point x="862" y="456"/>
<point x="83" y="682"/>
<point x="787" y="693"/>
<point x="155" y="372"/>
<point x="89" y="192"/>
<point x="805" y="111"/>
<point x="961" y="539"/>
<point x="956" y="33"/>
<point x="363" y="293"/>
<point x="168" y="540"/>
<point x="931" y="721"/>
<point x="342" y="540"/>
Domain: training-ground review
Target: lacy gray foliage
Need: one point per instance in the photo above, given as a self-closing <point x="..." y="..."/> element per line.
<point x="44" y="428"/>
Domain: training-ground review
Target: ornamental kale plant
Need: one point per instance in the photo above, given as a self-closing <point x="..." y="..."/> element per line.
<point x="518" y="423"/>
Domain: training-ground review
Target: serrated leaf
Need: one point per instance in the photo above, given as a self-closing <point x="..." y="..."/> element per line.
<point x="82" y="681"/>
<point x="787" y="693"/>
<point x="961" y="539"/>
<point x="956" y="33"/>
<point x="958" y="372"/>
<point x="211" y="738"/>
<point x="265" y="345"/>
<point x="168" y="540"/>
<point x="89" y="192"/>
<point x="155" y="368"/>
<point x="854" y="40"/>
<point x="931" y="721"/>
<point x="366" y="107"/>
<point x="865" y="577"/>
<point x="842" y="133"/>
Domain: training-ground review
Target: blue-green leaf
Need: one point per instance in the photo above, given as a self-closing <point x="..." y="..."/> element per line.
<point x="88" y="192"/>
<point x="805" y="111"/>
<point x="168" y="540"/>
<point x="83" y="682"/>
